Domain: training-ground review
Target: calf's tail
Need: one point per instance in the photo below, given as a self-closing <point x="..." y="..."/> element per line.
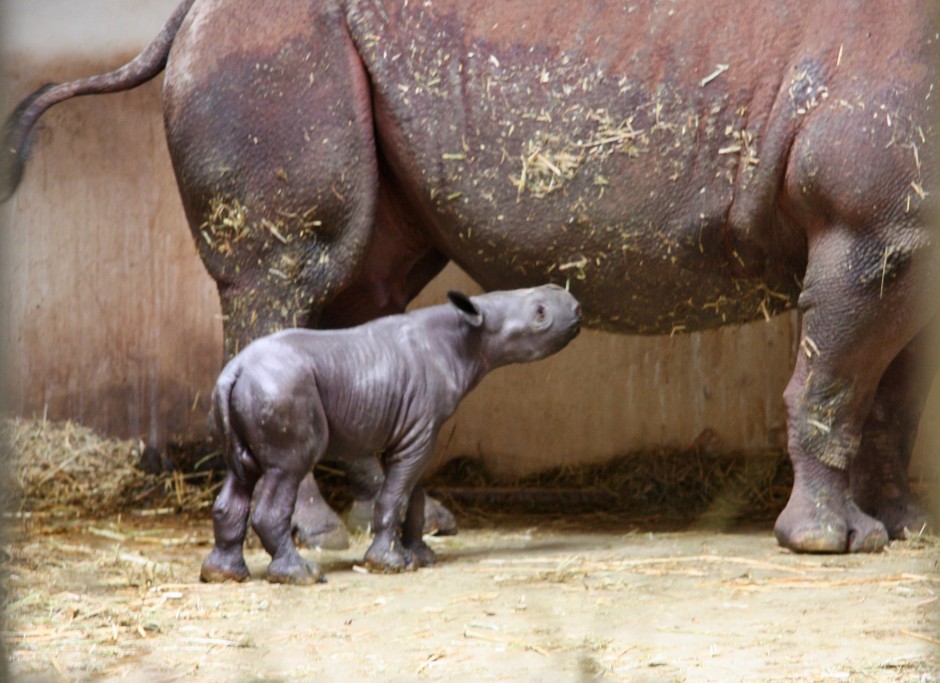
<point x="15" y="134"/>
<point x="237" y="457"/>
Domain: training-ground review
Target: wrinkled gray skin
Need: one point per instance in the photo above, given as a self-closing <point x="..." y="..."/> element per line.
<point x="385" y="387"/>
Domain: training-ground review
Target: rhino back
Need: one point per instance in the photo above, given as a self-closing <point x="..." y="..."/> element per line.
<point x="378" y="382"/>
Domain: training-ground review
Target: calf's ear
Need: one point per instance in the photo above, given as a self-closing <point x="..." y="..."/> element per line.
<point x="468" y="309"/>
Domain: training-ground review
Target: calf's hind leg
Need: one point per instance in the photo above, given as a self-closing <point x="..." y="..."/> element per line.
<point x="271" y="520"/>
<point x="226" y="562"/>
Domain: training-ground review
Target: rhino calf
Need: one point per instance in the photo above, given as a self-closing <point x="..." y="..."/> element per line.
<point x="293" y="397"/>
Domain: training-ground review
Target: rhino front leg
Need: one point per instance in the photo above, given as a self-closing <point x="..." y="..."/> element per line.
<point x="413" y="529"/>
<point x="365" y="479"/>
<point x="878" y="476"/>
<point x="857" y="316"/>
<point x="388" y="552"/>
<point x="271" y="521"/>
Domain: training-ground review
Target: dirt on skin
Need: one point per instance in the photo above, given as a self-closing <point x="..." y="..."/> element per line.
<point x="529" y="600"/>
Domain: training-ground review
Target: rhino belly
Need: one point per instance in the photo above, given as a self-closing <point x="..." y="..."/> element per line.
<point x="549" y="157"/>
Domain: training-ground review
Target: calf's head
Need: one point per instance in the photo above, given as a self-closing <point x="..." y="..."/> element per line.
<point x="520" y="325"/>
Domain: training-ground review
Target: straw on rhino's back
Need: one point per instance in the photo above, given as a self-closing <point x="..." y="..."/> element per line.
<point x="637" y="151"/>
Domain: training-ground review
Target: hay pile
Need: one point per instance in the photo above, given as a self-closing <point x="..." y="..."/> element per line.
<point x="691" y="484"/>
<point x="63" y="467"/>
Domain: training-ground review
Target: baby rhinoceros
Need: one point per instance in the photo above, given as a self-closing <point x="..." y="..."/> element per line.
<point x="385" y="387"/>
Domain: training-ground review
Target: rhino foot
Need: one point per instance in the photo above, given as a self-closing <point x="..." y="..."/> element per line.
<point x="360" y="516"/>
<point x="902" y="517"/>
<point x="892" y="504"/>
<point x="220" y="567"/>
<point x="866" y="534"/>
<point x="331" y="538"/>
<point x="826" y="526"/>
<point x="294" y="569"/>
<point x="314" y="524"/>
<point x="422" y="553"/>
<point x="389" y="558"/>
<point x="438" y="520"/>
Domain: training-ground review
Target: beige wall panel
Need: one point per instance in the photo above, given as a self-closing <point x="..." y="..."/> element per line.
<point x="607" y="395"/>
<point x="113" y="320"/>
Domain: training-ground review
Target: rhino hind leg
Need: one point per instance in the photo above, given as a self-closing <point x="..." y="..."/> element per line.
<point x="868" y="259"/>
<point x="438" y="519"/>
<point x="226" y="562"/>
<point x="271" y="520"/>
<point x="878" y="475"/>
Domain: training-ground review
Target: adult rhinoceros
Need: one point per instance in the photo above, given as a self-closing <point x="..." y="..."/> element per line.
<point x="682" y="164"/>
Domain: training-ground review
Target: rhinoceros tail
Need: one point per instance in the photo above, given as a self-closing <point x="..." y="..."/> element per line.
<point x="236" y="454"/>
<point x="18" y="127"/>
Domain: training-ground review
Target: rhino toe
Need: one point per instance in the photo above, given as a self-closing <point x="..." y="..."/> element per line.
<point x="218" y="568"/>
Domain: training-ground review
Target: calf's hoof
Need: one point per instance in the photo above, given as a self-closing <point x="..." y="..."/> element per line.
<point x="807" y="526"/>
<point x="294" y="570"/>
<point x="217" y="569"/>
<point x="392" y="560"/>
<point x="422" y="554"/>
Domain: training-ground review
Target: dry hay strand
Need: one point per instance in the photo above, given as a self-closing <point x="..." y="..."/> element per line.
<point x="64" y="466"/>
<point x="546" y="165"/>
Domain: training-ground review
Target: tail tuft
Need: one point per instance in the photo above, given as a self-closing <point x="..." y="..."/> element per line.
<point x="16" y="140"/>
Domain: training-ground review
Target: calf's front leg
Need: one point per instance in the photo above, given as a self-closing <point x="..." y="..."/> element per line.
<point x="391" y="550"/>
<point x="413" y="530"/>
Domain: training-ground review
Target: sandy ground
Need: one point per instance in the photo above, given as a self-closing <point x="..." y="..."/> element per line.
<point x="119" y="599"/>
